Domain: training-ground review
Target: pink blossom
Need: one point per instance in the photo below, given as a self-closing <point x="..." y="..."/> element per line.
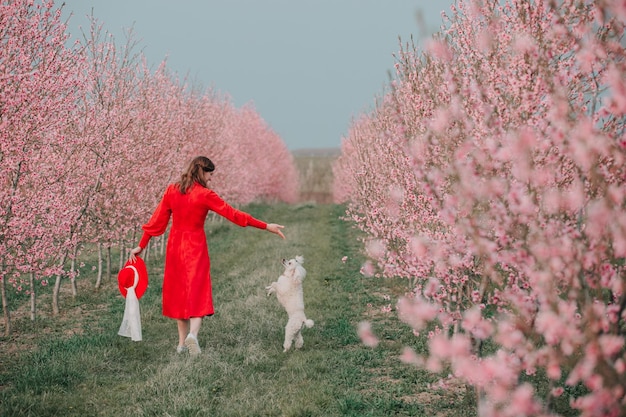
<point x="431" y="288"/>
<point x="440" y="121"/>
<point x="375" y="248"/>
<point x="367" y="336"/>
<point x="619" y="8"/>
<point x="410" y="357"/>
<point x="460" y="346"/>
<point x="508" y="335"/>
<point x="611" y="345"/>
<point x="594" y="382"/>
<point x="368" y="269"/>
<point x="524" y="43"/>
<point x="619" y="248"/>
<point x="523" y="403"/>
<point x="615" y="79"/>
<point x="475" y="324"/>
<point x="433" y="364"/>
<point x="439" y="49"/>
<point x="418" y="247"/>
<point x="549" y="324"/>
<point x="416" y="312"/>
<point x="553" y="370"/>
<point x="586" y="57"/>
<point x="484" y="40"/>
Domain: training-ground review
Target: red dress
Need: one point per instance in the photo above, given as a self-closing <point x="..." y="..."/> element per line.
<point x="187" y="278"/>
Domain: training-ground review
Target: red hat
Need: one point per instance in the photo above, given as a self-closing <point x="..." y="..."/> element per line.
<point x="131" y="271"/>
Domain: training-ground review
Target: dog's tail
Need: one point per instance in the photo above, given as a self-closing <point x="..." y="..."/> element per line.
<point x="308" y="323"/>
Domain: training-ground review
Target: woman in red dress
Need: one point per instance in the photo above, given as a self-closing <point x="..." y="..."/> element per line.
<point x="187" y="280"/>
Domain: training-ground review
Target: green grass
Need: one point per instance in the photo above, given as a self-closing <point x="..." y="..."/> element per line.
<point x="76" y="365"/>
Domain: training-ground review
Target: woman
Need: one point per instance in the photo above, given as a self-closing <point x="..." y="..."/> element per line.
<point x="186" y="280"/>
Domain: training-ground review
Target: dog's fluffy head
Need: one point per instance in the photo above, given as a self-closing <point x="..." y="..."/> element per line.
<point x="294" y="268"/>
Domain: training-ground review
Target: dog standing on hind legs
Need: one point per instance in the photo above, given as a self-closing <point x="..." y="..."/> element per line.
<point x="288" y="290"/>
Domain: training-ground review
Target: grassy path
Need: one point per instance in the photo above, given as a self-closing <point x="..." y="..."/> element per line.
<point x="76" y="365"/>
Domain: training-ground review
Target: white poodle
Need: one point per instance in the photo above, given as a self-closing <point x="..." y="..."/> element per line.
<point x="288" y="290"/>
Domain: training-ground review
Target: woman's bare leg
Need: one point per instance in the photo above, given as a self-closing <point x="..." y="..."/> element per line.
<point x="194" y="326"/>
<point x="191" y="341"/>
<point x="183" y="330"/>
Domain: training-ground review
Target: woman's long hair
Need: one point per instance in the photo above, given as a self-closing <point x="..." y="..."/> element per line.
<point x="195" y="173"/>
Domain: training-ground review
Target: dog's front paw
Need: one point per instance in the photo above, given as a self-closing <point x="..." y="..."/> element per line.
<point x="270" y="290"/>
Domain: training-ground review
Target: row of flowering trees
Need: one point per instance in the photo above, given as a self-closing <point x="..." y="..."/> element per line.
<point x="492" y="174"/>
<point x="90" y="136"/>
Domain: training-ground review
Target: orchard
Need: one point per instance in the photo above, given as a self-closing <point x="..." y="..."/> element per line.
<point x="89" y="138"/>
<point x="492" y="177"/>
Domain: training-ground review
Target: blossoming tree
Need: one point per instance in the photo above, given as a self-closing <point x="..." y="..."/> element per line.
<point x="39" y="81"/>
<point x="517" y="155"/>
<point x="89" y="137"/>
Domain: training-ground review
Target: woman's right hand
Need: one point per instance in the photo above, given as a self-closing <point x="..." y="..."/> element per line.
<point x="134" y="252"/>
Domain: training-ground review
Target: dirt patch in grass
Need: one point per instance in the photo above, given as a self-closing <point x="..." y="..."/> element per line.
<point x="316" y="174"/>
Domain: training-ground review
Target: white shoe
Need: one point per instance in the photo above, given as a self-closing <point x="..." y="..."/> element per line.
<point x="191" y="342"/>
<point x="181" y="349"/>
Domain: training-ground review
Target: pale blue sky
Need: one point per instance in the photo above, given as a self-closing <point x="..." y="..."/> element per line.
<point x="309" y="67"/>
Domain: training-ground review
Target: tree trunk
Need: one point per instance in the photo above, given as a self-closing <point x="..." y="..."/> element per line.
<point x="8" y="210"/>
<point x="33" y="305"/>
<point x="99" y="279"/>
<point x="122" y="252"/>
<point x="5" y="308"/>
<point x="109" y="262"/>
<point x="73" y="273"/>
<point x="57" y="288"/>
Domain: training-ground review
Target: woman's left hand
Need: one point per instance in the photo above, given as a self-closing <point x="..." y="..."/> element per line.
<point x="275" y="228"/>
